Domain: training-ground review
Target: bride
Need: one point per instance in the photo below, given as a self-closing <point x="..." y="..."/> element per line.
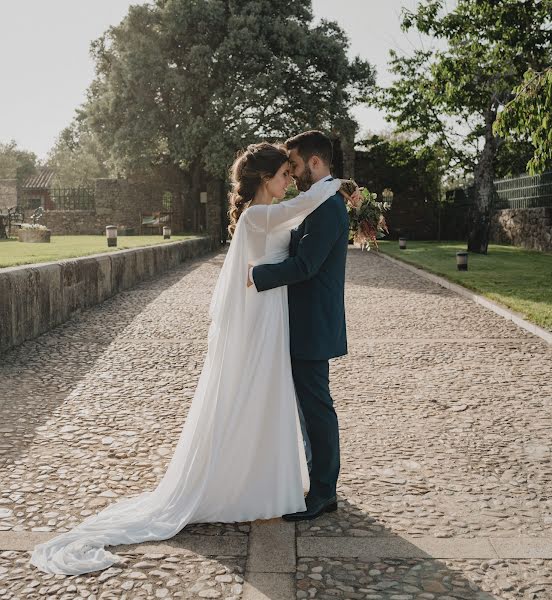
<point x="240" y="455"/>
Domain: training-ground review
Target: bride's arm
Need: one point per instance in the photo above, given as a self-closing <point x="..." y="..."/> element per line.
<point x="290" y="213"/>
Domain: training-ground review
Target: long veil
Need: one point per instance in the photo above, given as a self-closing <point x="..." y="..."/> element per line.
<point x="177" y="499"/>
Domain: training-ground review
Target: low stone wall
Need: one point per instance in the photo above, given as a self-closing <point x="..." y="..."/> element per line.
<point x="72" y="222"/>
<point x="527" y="227"/>
<point x="36" y="298"/>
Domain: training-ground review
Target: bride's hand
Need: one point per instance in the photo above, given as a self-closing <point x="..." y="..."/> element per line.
<point x="350" y="190"/>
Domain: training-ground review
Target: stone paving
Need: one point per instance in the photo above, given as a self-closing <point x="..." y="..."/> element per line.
<point x="446" y="480"/>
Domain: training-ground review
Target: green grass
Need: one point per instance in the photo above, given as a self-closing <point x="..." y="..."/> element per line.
<point x="14" y="252"/>
<point x="517" y="278"/>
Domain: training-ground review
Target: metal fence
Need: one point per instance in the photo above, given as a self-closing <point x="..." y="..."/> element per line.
<point x="524" y="192"/>
<point x="80" y="198"/>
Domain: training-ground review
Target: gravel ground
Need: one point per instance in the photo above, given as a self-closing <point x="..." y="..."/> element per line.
<point x="445" y="420"/>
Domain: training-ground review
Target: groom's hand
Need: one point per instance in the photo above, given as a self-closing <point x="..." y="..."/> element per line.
<point x="249" y="282"/>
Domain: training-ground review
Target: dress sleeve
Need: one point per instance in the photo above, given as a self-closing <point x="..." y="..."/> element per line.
<point x="291" y="213"/>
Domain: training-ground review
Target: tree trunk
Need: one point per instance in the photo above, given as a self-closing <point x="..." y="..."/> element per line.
<point x="484" y="173"/>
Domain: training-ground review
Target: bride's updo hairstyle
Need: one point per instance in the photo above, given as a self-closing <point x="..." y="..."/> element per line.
<point x="253" y="165"/>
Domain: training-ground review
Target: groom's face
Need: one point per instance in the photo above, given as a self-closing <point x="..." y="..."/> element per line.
<point x="300" y="171"/>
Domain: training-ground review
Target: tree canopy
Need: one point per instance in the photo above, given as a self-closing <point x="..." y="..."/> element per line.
<point x="528" y="116"/>
<point x="76" y="157"/>
<point x="452" y="96"/>
<point x="395" y="162"/>
<point x="188" y="82"/>
<point x="16" y="163"/>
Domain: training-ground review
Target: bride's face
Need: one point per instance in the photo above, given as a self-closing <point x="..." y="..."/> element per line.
<point x="278" y="185"/>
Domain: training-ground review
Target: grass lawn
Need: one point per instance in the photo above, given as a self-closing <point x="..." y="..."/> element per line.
<point x="13" y="252"/>
<point x="517" y="278"/>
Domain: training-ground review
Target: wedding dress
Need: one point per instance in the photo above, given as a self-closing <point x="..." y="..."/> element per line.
<point x="240" y="455"/>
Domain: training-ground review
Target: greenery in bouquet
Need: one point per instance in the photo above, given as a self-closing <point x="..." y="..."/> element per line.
<point x="366" y="215"/>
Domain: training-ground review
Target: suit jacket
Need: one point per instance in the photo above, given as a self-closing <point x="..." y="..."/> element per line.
<point x="315" y="274"/>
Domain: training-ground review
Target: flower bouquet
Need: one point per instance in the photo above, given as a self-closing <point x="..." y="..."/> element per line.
<point x="366" y="215"/>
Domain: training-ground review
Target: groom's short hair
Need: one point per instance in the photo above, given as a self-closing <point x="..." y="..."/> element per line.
<point x="312" y="143"/>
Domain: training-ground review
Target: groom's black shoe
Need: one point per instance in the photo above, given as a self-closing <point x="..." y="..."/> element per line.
<point x="315" y="508"/>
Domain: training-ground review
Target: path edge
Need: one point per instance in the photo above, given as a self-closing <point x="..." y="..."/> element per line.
<point x="500" y="310"/>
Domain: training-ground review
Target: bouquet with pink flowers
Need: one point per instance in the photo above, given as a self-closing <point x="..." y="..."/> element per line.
<point x="366" y="215"/>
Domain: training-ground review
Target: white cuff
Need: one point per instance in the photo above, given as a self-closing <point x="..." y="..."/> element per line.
<point x="251" y="276"/>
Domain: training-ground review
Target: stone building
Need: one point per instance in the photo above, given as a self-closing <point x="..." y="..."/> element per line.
<point x="36" y="189"/>
<point x="123" y="202"/>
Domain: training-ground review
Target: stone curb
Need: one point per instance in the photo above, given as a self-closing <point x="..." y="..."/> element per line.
<point x="429" y="547"/>
<point x="272" y="547"/>
<point x="206" y="545"/>
<point x="271" y="561"/>
<point x="466" y="293"/>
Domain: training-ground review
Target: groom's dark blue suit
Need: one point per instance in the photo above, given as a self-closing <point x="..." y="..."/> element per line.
<point x="315" y="274"/>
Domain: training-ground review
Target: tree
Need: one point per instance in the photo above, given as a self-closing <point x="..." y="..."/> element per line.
<point x="189" y="82"/>
<point x="396" y="162"/>
<point x="16" y="163"/>
<point x="76" y="157"/>
<point x="528" y="116"/>
<point x="512" y="157"/>
<point x="452" y="96"/>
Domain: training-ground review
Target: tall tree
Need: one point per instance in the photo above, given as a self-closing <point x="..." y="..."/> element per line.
<point x="188" y="82"/>
<point x="16" y="163"/>
<point x="453" y="95"/>
<point x="396" y="162"/>
<point x="76" y="157"/>
<point x="528" y="116"/>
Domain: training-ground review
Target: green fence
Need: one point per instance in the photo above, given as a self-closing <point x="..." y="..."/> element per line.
<point x="524" y="192"/>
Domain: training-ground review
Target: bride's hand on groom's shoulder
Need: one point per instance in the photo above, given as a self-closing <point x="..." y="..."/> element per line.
<point x="350" y="190"/>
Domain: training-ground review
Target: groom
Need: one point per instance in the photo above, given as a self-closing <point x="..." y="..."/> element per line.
<point x="315" y="274"/>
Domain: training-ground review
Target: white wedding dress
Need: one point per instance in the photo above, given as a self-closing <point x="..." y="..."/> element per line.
<point x="240" y="455"/>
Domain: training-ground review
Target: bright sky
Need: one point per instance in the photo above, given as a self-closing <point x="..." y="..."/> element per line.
<point x="45" y="65"/>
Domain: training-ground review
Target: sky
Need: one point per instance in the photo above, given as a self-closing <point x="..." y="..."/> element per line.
<point x="45" y="65"/>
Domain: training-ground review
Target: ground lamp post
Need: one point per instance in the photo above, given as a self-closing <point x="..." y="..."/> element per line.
<point x="387" y="196"/>
<point x="111" y="233"/>
<point x="402" y="243"/>
<point x="166" y="232"/>
<point x="462" y="261"/>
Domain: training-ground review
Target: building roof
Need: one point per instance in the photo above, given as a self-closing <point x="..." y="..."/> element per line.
<point x="41" y="180"/>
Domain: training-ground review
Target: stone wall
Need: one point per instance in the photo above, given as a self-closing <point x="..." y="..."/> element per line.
<point x="8" y="193"/>
<point x="527" y="227"/>
<point x="37" y="298"/>
<point x="71" y="222"/>
<point x="120" y="202"/>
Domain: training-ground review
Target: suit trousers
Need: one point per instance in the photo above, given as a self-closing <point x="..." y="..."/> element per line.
<point x="311" y="378"/>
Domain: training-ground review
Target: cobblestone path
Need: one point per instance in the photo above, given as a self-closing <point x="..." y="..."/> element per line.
<point x="445" y="415"/>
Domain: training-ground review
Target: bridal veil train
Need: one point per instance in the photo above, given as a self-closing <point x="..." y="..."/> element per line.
<point x="240" y="455"/>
